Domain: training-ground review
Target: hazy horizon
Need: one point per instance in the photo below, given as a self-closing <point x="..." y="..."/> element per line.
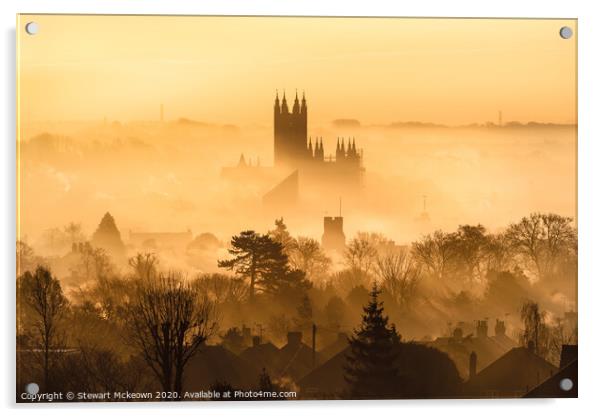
<point x="218" y="97"/>
<point x="430" y="70"/>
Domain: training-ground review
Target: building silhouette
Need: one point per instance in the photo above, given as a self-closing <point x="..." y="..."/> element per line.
<point x="467" y="338"/>
<point x="301" y="164"/>
<point x="294" y="149"/>
<point x="513" y="374"/>
<point x="333" y="237"/>
<point x="569" y="370"/>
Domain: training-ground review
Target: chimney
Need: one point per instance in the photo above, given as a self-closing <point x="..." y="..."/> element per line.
<point x="457" y="334"/>
<point x="481" y="328"/>
<point x="256" y="341"/>
<point x="500" y="327"/>
<point x="293" y="338"/>
<point x="568" y="354"/>
<point x="246" y="331"/>
<point x="472" y="365"/>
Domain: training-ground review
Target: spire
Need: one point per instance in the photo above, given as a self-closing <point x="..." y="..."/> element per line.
<point x="311" y="148"/>
<point x="340" y="155"/>
<point x="241" y="161"/>
<point x="321" y="152"/>
<point x="353" y="147"/>
<point x="296" y="103"/>
<point x="277" y="103"/>
<point x="284" y="104"/>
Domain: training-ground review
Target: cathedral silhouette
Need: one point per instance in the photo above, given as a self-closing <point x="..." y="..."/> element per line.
<point x="300" y="163"/>
<point x="293" y="147"/>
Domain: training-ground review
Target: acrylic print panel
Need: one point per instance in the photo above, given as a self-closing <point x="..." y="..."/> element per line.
<point x="286" y="208"/>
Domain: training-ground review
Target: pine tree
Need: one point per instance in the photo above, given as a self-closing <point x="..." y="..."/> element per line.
<point x="257" y="257"/>
<point x="281" y="235"/>
<point x="262" y="260"/>
<point x="370" y="370"/>
<point x="107" y="236"/>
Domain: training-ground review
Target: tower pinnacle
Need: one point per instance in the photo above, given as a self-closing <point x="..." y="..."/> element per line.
<point x="284" y="103"/>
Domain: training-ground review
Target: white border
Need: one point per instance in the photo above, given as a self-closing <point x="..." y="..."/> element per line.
<point x="590" y="207"/>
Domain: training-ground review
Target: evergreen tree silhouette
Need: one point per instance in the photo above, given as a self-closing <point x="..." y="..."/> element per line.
<point x="107" y="236"/>
<point x="262" y="260"/>
<point x="370" y="370"/>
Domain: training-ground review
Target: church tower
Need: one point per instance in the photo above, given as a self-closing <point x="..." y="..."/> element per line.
<point x="290" y="132"/>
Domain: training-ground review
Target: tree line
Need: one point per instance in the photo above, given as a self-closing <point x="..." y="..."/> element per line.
<point x="152" y="322"/>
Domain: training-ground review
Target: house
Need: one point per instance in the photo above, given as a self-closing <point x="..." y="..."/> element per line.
<point x="553" y="386"/>
<point x="262" y="355"/>
<point x="295" y="359"/>
<point x="217" y="364"/>
<point x="340" y="344"/>
<point x="424" y="372"/>
<point x="512" y="375"/>
<point x="487" y="348"/>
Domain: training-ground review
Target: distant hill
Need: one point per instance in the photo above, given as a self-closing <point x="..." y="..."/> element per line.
<point x="346" y="123"/>
<point x="413" y="124"/>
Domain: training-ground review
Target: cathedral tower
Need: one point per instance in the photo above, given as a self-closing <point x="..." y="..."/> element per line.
<point x="290" y="132"/>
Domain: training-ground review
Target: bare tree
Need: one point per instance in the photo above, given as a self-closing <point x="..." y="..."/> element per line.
<point x="399" y="275"/>
<point x="43" y="294"/>
<point x="541" y="239"/>
<point x="307" y="255"/>
<point x="471" y="244"/>
<point x="498" y="256"/>
<point x="221" y="288"/>
<point x="102" y="263"/>
<point x="169" y="323"/>
<point x="535" y="331"/>
<point x="94" y="263"/>
<point x="559" y="334"/>
<point x="26" y="258"/>
<point x="436" y="252"/>
<point x="361" y="254"/>
<point x="144" y="265"/>
<point x="346" y="280"/>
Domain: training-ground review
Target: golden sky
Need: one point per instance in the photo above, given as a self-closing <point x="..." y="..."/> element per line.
<point x="227" y="69"/>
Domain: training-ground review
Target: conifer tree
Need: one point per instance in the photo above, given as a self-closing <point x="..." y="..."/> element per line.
<point x="262" y="260"/>
<point x="107" y="236"/>
<point x="370" y="370"/>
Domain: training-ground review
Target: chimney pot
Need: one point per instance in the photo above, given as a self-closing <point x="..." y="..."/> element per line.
<point x="472" y="366"/>
<point x="256" y="341"/>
